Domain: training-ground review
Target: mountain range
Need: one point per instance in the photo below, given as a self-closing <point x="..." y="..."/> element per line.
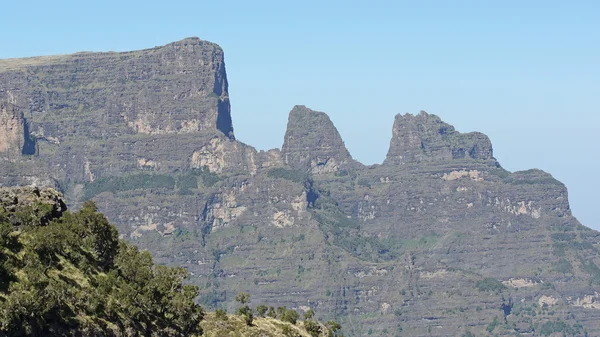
<point x="438" y="240"/>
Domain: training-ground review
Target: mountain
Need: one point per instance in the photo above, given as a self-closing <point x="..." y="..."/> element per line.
<point x="438" y="240"/>
<point x="68" y="274"/>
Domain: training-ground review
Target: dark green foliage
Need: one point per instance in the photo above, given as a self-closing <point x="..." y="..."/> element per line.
<point x="221" y="314"/>
<point x="74" y="277"/>
<point x="281" y="311"/>
<point x="563" y="266"/>
<point x="334" y="328"/>
<point x="283" y="173"/>
<point x="490" y="328"/>
<point x="592" y="269"/>
<point x="209" y="179"/>
<point x="128" y="183"/>
<point x="243" y="298"/>
<point x="290" y="316"/>
<point x="490" y="284"/>
<point x="245" y="311"/>
<point x="312" y="327"/>
<point x="271" y="313"/>
<point x="550" y="327"/>
<point x="364" y="182"/>
<point x="187" y="183"/>
<point x="309" y="314"/>
<point x="261" y="310"/>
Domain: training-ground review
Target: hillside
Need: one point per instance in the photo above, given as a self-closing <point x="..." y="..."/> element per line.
<point x="438" y="240"/>
<point x="67" y="274"/>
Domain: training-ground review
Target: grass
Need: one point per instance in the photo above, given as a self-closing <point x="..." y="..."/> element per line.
<point x="235" y="326"/>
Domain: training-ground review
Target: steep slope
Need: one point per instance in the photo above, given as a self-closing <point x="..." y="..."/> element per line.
<point x="438" y="240"/>
<point x="67" y="274"/>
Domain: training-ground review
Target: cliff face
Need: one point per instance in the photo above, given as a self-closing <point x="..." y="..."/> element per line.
<point x="313" y="144"/>
<point x="437" y="241"/>
<point x="85" y="108"/>
<point x="427" y="138"/>
<point x="14" y="132"/>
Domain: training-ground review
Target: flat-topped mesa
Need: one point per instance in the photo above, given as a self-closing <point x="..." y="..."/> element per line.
<point x="426" y="138"/>
<point x="177" y="88"/>
<point x="312" y="143"/>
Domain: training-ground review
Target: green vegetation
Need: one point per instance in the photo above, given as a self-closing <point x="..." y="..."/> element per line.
<point x="73" y="276"/>
<point x="185" y="184"/>
<point x="283" y="173"/>
<point x="563" y="266"/>
<point x="128" y="183"/>
<point x="550" y="327"/>
<point x="344" y="231"/>
<point x="490" y="284"/>
<point x="261" y="310"/>
<point x="591" y="269"/>
<point x="490" y="328"/>
<point x="245" y="311"/>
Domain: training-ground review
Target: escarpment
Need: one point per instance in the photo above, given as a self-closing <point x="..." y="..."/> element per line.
<point x="426" y="138"/>
<point x="437" y="240"/>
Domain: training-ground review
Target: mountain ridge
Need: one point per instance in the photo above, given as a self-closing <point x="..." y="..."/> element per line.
<point x="437" y="240"/>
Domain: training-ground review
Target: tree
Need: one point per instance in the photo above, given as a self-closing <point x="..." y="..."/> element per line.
<point x="312" y="327"/>
<point x="271" y="313"/>
<point x="103" y="237"/>
<point x="334" y="328"/>
<point x="261" y="309"/>
<point x="243" y="298"/>
<point x="245" y="311"/>
<point x="309" y="314"/>
<point x="281" y="311"/>
<point x="290" y="316"/>
<point x="75" y="275"/>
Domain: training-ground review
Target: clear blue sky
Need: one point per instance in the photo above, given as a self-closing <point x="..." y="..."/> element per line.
<point x="526" y="73"/>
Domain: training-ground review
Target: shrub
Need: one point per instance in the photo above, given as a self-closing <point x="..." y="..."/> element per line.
<point x="221" y="314"/>
<point x="271" y="313"/>
<point x="290" y="316"/>
<point x="490" y="284"/>
<point x="261" y="309"/>
<point x="282" y="173"/>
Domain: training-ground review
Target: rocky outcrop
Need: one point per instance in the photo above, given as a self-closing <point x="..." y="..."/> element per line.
<point x="425" y="138"/>
<point x="15" y="138"/>
<point x="313" y="144"/>
<point x="47" y="203"/>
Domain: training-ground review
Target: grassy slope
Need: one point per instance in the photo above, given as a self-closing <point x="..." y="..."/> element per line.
<point x="235" y="326"/>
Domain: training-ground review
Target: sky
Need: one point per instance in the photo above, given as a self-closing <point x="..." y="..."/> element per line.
<point x="526" y="73"/>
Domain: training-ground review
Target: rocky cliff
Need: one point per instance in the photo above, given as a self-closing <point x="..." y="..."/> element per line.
<point x="438" y="240"/>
